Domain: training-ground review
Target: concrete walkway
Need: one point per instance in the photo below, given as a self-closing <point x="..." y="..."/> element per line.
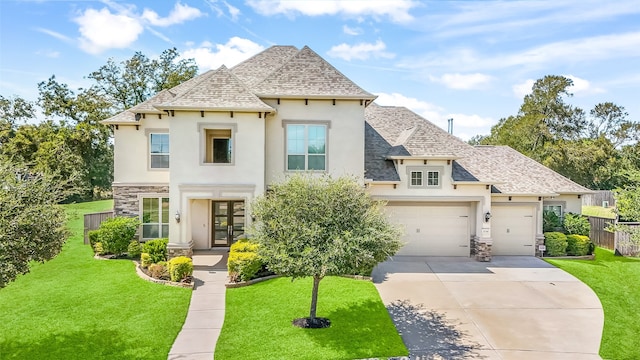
<point x="197" y="339"/>
<point x="511" y="308"/>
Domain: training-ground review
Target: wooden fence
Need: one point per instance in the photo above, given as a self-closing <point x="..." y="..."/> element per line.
<point x="599" y="198"/>
<point x="93" y="221"/>
<point x="618" y="241"/>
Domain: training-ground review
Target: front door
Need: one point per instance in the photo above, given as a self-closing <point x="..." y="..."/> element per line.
<point x="228" y="222"/>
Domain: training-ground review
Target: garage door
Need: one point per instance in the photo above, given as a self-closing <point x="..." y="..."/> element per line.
<point x="513" y="230"/>
<point x="433" y="230"/>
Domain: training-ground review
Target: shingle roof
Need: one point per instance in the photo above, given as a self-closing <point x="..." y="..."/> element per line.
<point x="123" y="117"/>
<point x="148" y="106"/>
<point x="397" y="131"/>
<point x="306" y="74"/>
<point x="258" y="67"/>
<point x="515" y="173"/>
<point x="220" y="90"/>
<point x="412" y="135"/>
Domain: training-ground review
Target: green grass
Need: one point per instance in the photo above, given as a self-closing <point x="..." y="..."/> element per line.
<point x="75" y="307"/>
<point x="257" y="322"/>
<point x="598" y="211"/>
<point x="616" y="281"/>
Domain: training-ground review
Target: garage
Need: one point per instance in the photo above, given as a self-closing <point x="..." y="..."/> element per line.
<point x="433" y="230"/>
<point x="513" y="230"/>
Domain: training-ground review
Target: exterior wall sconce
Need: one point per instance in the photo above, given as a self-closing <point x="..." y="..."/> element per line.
<point x="177" y="217"/>
<point x="487" y="216"/>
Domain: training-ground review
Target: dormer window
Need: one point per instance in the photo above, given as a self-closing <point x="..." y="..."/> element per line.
<point x="424" y="177"/>
<point x="416" y="178"/>
<point x="433" y="178"/>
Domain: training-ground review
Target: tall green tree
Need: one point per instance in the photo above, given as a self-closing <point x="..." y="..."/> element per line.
<point x="138" y="78"/>
<point x="318" y="226"/>
<point x="32" y="225"/>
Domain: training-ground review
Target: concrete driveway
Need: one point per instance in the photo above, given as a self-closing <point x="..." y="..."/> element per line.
<point x="514" y="307"/>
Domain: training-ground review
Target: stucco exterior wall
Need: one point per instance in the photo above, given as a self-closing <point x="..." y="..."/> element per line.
<point x="570" y="203"/>
<point x="345" y="135"/>
<point x="131" y="152"/>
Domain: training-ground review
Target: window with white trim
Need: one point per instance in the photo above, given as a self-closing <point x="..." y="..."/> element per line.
<point x="219" y="146"/>
<point x="416" y="178"/>
<point x="556" y="209"/>
<point x="433" y="178"/>
<point x="306" y="147"/>
<point x="155" y="217"/>
<point x="159" y="151"/>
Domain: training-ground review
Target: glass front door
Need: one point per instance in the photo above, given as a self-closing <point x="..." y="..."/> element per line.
<point x="228" y="222"/>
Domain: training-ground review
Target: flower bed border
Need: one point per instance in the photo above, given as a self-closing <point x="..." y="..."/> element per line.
<point x="146" y="277"/>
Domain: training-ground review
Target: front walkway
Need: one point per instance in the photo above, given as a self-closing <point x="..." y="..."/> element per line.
<point x="515" y="307"/>
<point x="197" y="339"/>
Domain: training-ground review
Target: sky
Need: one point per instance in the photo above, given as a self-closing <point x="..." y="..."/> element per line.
<point x="472" y="61"/>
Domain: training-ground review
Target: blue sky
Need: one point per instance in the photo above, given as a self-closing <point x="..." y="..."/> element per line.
<point x="466" y="60"/>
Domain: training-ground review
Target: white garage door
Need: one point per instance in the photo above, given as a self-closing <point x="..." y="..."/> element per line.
<point x="433" y="230"/>
<point x="513" y="230"/>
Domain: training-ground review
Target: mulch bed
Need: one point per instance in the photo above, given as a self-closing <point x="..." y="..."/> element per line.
<point x="308" y="323"/>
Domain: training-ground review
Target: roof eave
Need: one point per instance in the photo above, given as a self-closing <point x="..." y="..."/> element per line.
<point x="317" y="97"/>
<point x="218" y="109"/>
<point x="524" y="194"/>
<point x="422" y="157"/>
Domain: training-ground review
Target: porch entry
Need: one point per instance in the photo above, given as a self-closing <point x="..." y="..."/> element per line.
<point x="228" y="222"/>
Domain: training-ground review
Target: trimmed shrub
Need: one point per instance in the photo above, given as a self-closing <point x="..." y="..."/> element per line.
<point x="576" y="224"/>
<point x="180" y="268"/>
<point x="244" y="263"/>
<point x="159" y="271"/>
<point x="97" y="248"/>
<point x="578" y="245"/>
<point x="116" y="233"/>
<point x="93" y="237"/>
<point x="157" y="249"/>
<point x="135" y="249"/>
<point x="145" y="260"/>
<point x="556" y="243"/>
<point x="550" y="221"/>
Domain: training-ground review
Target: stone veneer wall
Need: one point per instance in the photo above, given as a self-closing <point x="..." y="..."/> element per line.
<point x="472" y="244"/>
<point x="125" y="198"/>
<point x="483" y="251"/>
<point x="539" y="241"/>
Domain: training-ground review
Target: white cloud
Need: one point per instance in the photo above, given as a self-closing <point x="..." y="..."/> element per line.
<point x="361" y="51"/>
<point x="463" y="81"/>
<point x="179" y="14"/>
<point x="522" y="89"/>
<point x="351" y="31"/>
<point x="209" y="56"/>
<point x="101" y="30"/>
<point x="234" y="12"/>
<point x="465" y="126"/>
<point x="396" y="10"/>
<point x="55" y="34"/>
<point x="582" y="86"/>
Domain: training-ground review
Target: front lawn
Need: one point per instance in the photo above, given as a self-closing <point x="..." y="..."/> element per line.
<point x="257" y="322"/>
<point x="616" y="281"/>
<point x="598" y="211"/>
<point x="76" y="307"/>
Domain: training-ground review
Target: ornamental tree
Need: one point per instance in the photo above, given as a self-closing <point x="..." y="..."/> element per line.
<point x="310" y="226"/>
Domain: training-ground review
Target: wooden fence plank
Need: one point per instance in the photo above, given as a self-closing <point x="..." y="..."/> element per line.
<point x="93" y="221"/>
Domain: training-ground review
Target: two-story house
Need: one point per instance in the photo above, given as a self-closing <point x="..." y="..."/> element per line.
<point x="190" y="160"/>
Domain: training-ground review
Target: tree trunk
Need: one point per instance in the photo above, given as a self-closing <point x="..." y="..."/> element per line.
<point x="314" y="297"/>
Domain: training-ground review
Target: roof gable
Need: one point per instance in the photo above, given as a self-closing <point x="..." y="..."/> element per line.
<point x="219" y="90"/>
<point x="306" y="74"/>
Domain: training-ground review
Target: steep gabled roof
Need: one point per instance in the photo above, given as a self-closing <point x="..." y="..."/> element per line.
<point x="376" y="165"/>
<point x="515" y="173"/>
<point x="219" y="90"/>
<point x="259" y="66"/>
<point x="124" y="117"/>
<point x="306" y="74"/>
<point x="412" y="135"/>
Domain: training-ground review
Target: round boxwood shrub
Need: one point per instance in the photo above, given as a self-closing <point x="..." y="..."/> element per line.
<point x="180" y="268"/>
<point x="157" y="249"/>
<point x="556" y="243"/>
<point x="115" y="234"/>
<point x="244" y="263"/>
<point x="135" y="249"/>
<point x="578" y="245"/>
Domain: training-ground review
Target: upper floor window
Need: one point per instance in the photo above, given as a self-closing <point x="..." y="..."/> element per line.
<point x="416" y="178"/>
<point x="219" y="146"/>
<point x="433" y="178"/>
<point x="424" y="177"/>
<point x="159" y="151"/>
<point x="306" y="147"/>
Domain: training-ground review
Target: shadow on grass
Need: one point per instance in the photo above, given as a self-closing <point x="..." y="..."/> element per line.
<point x="428" y="334"/>
<point x="359" y="330"/>
<point x="98" y="344"/>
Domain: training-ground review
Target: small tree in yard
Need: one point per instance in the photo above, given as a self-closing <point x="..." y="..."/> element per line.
<point x="32" y="225"/>
<point x="320" y="226"/>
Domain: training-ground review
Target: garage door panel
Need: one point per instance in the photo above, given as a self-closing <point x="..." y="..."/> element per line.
<point x="433" y="230"/>
<point x="513" y="230"/>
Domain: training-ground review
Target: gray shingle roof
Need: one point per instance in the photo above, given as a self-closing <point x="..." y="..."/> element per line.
<point x="220" y="90"/>
<point x="376" y="165"/>
<point x="258" y="67"/>
<point x="412" y="135"/>
<point x="148" y="106"/>
<point x="123" y="117"/>
<point x="515" y="173"/>
<point x="306" y="74"/>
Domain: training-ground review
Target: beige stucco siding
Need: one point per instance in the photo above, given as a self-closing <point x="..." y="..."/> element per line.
<point x="131" y="153"/>
<point x="345" y="134"/>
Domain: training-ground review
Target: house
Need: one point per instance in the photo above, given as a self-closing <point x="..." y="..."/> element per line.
<point x="190" y="160"/>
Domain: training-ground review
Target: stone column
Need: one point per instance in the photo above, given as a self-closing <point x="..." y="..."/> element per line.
<point x="483" y="249"/>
